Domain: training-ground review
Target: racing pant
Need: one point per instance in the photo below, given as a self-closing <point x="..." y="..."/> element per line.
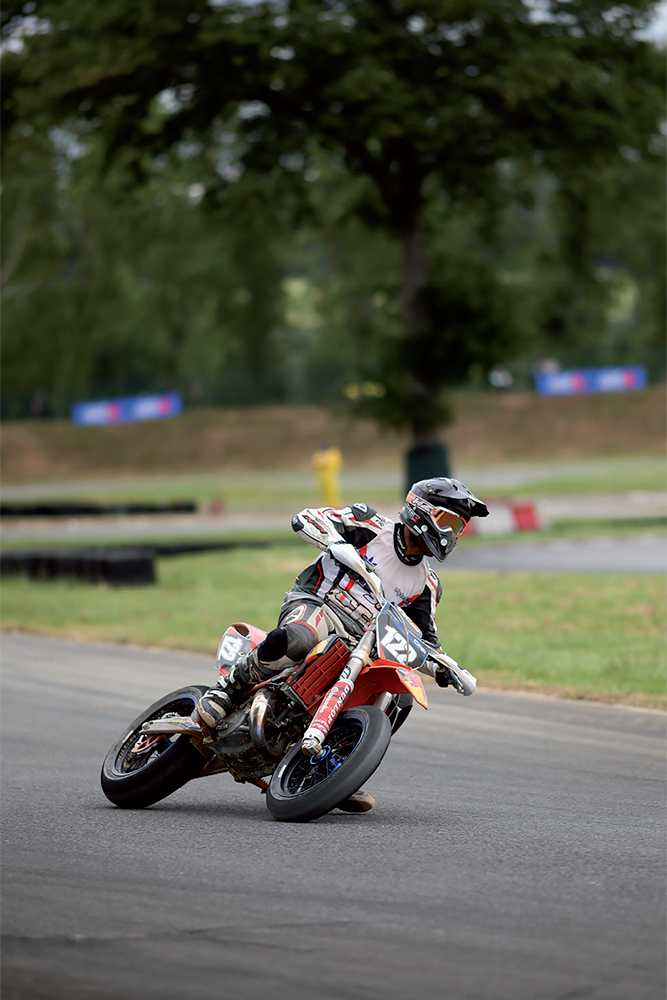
<point x="303" y="622"/>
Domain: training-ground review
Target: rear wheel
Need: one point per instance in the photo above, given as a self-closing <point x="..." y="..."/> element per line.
<point x="303" y="788"/>
<point x="140" y="770"/>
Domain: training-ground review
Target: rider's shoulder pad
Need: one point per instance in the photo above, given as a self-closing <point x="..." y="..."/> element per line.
<point x="362" y="512"/>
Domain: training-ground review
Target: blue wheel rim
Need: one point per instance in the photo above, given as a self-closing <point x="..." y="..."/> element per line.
<point x="308" y="772"/>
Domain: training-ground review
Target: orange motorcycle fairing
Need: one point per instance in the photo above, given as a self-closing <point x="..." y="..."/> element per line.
<point x="386" y="675"/>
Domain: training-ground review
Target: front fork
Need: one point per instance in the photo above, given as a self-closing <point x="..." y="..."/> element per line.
<point x="324" y="718"/>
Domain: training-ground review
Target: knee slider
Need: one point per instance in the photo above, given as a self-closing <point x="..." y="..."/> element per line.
<point x="300" y="640"/>
<point x="274" y="646"/>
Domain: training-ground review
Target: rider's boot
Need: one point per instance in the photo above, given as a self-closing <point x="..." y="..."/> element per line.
<point x="358" y="802"/>
<point x="283" y="647"/>
<point x="215" y="704"/>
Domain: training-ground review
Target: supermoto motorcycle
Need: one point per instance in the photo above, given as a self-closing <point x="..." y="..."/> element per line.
<point x="310" y="736"/>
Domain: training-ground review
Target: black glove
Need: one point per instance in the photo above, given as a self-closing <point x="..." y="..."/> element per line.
<point x="443" y="678"/>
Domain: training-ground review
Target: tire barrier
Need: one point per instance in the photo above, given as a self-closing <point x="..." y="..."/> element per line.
<point x="94" y="509"/>
<point x="120" y="567"/>
<point x="117" y="565"/>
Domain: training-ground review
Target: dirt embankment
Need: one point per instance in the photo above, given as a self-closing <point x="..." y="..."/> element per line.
<point x="489" y="429"/>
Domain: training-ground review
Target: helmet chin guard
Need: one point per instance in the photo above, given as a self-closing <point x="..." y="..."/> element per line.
<point x="437" y="511"/>
<point x="441" y="548"/>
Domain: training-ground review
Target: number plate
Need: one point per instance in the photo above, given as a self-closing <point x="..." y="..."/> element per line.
<point x="232" y="647"/>
<point x="396" y="639"/>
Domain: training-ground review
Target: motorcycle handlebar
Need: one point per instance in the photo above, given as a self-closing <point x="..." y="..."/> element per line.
<point x="464" y="682"/>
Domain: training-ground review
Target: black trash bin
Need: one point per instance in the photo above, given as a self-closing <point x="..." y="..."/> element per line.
<point x="425" y="461"/>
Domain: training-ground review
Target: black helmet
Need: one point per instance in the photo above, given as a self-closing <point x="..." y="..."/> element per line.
<point x="437" y="510"/>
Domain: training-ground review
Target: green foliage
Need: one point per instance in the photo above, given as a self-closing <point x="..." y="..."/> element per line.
<point x="465" y="319"/>
<point x="478" y="155"/>
<point x="112" y="290"/>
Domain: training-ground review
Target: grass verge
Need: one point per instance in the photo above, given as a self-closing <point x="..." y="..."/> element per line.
<point x="488" y="428"/>
<point x="598" y="636"/>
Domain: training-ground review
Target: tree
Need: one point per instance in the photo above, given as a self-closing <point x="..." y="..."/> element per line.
<point x="109" y="291"/>
<point x="423" y="106"/>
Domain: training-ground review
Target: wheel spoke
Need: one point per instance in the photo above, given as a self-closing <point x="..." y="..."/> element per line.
<point x="306" y="773"/>
<point x="139" y="750"/>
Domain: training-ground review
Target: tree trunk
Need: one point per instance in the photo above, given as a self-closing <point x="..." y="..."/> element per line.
<point x="415" y="276"/>
<point x="427" y="456"/>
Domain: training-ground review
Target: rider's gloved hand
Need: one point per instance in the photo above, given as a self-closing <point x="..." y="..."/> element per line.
<point x="442" y="677"/>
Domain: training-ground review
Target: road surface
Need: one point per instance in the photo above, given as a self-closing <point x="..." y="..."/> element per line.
<point x="638" y="554"/>
<point x="516" y="852"/>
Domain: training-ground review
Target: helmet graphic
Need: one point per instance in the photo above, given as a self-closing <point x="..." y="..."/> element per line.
<point x="437" y="511"/>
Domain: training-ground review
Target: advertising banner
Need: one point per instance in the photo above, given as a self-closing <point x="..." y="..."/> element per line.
<point x="582" y="381"/>
<point x="126" y="410"/>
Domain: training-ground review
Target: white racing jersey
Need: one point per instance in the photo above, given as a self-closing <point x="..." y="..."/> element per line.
<point x="412" y="585"/>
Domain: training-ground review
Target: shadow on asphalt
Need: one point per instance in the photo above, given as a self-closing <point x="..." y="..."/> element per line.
<point x="257" y="812"/>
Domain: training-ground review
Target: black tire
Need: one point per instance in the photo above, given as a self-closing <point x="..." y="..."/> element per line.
<point x="134" y="781"/>
<point x="302" y="788"/>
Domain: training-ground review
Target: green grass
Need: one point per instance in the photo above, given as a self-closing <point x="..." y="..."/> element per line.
<point x="239" y="492"/>
<point x="195" y="599"/>
<point x="584" y="635"/>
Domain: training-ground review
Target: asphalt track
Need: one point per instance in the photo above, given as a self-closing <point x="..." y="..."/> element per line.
<point x="641" y="554"/>
<point x="516" y="852"/>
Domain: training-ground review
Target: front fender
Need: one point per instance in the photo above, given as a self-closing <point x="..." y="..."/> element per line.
<point x="387" y="675"/>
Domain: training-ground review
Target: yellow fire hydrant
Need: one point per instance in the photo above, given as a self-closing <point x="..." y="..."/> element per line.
<point x="327" y="461"/>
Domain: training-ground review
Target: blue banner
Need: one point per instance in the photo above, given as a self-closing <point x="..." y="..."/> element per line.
<point x="581" y="381"/>
<point x="128" y="409"/>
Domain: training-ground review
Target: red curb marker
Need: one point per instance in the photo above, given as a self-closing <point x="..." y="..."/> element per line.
<point x="510" y="516"/>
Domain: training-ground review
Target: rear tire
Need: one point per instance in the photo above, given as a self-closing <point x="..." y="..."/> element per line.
<point x="303" y="788"/>
<point x="139" y="771"/>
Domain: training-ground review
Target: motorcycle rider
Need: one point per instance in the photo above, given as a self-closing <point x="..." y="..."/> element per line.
<point x="327" y="600"/>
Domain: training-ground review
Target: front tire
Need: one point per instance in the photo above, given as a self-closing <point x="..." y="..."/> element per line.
<point x="303" y="788"/>
<point x="140" y="770"/>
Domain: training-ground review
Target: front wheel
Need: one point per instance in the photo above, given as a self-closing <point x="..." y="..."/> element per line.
<point x="303" y="788"/>
<point x="142" y="769"/>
